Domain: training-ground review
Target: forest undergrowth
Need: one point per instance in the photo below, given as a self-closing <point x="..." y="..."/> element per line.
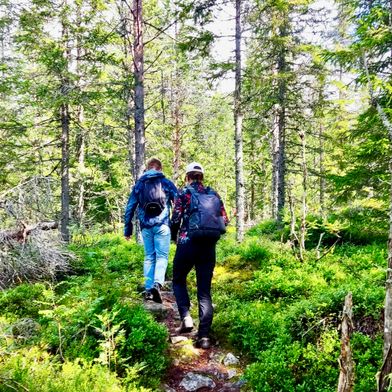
<point x="89" y="331"/>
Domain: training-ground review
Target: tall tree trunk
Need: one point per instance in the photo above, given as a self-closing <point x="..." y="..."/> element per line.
<point x="304" y="197"/>
<point x="81" y="152"/>
<point x="64" y="226"/>
<point x="253" y="175"/>
<point x="263" y="191"/>
<point x="81" y="137"/>
<point x="128" y="71"/>
<point x="275" y="165"/>
<point x="138" y="62"/>
<point x="65" y="131"/>
<point x="281" y="174"/>
<point x="322" y="183"/>
<point x="176" y="137"/>
<point x="386" y="369"/>
<point x="176" y="142"/>
<point x="239" y="165"/>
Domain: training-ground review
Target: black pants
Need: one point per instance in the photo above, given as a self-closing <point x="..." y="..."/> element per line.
<point x="200" y="254"/>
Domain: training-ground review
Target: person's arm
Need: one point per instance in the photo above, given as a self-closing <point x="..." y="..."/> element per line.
<point x="129" y="213"/>
<point x="176" y="218"/>
<point x="171" y="190"/>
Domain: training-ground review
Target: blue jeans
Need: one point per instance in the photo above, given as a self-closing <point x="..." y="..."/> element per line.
<point x="156" y="242"/>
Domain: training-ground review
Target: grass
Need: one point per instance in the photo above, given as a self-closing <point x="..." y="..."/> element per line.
<point x="282" y="315"/>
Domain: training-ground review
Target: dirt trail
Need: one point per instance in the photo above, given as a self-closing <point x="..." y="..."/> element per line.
<point x="188" y="359"/>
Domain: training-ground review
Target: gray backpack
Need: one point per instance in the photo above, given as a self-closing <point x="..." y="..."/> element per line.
<point x="205" y="216"/>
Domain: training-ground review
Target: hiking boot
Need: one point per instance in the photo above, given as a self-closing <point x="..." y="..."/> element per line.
<point x="204" y="343"/>
<point x="156" y="293"/>
<point x="148" y="295"/>
<point x="186" y="325"/>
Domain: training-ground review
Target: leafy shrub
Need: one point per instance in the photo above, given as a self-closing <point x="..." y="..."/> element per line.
<point x="294" y="367"/>
<point x="36" y="371"/>
<point x="367" y="355"/>
<point x="264" y="228"/>
<point x="254" y="252"/>
<point x="249" y="326"/>
<point x="108" y="253"/>
<point x="23" y="300"/>
<point x="276" y="284"/>
<point x="145" y="341"/>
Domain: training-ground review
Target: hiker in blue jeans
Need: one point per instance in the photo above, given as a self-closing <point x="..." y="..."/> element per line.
<point x="152" y="195"/>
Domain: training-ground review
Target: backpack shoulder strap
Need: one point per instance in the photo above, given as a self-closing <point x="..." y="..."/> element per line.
<point x="191" y="189"/>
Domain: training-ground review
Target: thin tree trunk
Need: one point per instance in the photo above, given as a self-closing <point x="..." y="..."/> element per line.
<point x="81" y="137"/>
<point x="128" y="70"/>
<point x="293" y="234"/>
<point x="64" y="226"/>
<point x="176" y="138"/>
<point x="138" y="60"/>
<point x="322" y="182"/>
<point x="81" y="146"/>
<point x="275" y="165"/>
<point x="252" y="186"/>
<point x="282" y="69"/>
<point x="346" y="362"/>
<point x="65" y="131"/>
<point x="263" y="191"/>
<point x="386" y="369"/>
<point x="239" y="169"/>
<point x="176" y="142"/>
<point x="163" y="99"/>
<point x="304" y="197"/>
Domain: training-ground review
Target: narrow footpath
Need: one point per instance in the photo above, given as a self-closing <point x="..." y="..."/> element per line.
<point x="194" y="369"/>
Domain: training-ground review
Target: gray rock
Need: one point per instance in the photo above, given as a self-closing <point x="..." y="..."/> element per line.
<point x="228" y="387"/>
<point x="178" y="339"/>
<point x="239" y="383"/>
<point x="166" y="388"/>
<point x="216" y="357"/>
<point x="159" y="311"/>
<point x="230" y="359"/>
<point x="194" y="381"/>
<point x="231" y="373"/>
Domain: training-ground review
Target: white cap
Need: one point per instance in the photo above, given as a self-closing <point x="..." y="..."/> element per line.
<point x="194" y="167"/>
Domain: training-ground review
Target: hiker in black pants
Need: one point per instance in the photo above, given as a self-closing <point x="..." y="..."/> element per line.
<point x="200" y="218"/>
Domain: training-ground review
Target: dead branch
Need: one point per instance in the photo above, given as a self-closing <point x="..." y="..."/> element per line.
<point x="20" y="235"/>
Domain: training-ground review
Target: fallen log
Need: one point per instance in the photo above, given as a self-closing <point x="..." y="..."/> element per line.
<point x="20" y="235"/>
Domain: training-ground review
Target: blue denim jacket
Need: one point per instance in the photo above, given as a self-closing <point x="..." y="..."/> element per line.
<point x="133" y="202"/>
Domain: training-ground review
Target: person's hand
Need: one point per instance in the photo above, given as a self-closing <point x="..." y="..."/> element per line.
<point x="128" y="231"/>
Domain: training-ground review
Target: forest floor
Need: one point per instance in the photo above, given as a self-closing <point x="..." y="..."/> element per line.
<point x="191" y="368"/>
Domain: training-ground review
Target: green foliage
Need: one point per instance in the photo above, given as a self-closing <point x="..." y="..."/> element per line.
<point x="284" y="314"/>
<point x="23" y="301"/>
<point x="107" y="253"/>
<point x="144" y="341"/>
<point x="90" y="324"/>
<point x="367" y="355"/>
<point x="293" y="367"/>
<point x="34" y="370"/>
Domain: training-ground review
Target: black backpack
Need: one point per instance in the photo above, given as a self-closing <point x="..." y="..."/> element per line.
<point x="152" y="197"/>
<point x="205" y="216"/>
